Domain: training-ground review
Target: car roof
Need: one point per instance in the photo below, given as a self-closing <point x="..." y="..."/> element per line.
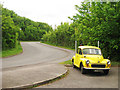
<point x="82" y="47"/>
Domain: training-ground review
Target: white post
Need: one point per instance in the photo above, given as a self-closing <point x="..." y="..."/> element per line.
<point x="98" y="43"/>
<point x="75" y="47"/>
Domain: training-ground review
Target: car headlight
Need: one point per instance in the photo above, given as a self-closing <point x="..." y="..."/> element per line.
<point x="87" y="61"/>
<point x="108" y="62"/>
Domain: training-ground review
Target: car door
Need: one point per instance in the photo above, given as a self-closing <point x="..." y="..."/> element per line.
<point x="78" y="56"/>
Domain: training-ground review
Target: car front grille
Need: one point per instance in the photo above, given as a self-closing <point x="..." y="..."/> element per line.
<point x="97" y="66"/>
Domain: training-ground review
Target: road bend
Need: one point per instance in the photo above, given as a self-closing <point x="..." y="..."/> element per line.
<point x="37" y="53"/>
<point x="37" y="63"/>
<point x="37" y="57"/>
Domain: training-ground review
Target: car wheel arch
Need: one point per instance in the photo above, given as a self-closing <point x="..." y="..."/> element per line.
<point x="80" y="64"/>
<point x="72" y="60"/>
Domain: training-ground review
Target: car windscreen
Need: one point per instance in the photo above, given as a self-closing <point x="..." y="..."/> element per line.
<point x="92" y="51"/>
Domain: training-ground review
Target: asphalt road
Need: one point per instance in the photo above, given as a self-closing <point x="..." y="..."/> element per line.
<point x="37" y="63"/>
<point x="91" y="80"/>
<point x="36" y="53"/>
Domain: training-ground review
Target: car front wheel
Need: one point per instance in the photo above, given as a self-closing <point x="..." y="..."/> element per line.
<point x="106" y="72"/>
<point x="83" y="71"/>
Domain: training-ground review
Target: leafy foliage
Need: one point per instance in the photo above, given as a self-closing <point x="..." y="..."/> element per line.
<point x="95" y="21"/>
<point x="16" y="28"/>
<point x="9" y="32"/>
<point x="62" y="36"/>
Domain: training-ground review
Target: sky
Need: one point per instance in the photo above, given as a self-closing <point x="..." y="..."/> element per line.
<point x="52" y="12"/>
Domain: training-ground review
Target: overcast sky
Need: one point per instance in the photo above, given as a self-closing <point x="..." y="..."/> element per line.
<point x="52" y="12"/>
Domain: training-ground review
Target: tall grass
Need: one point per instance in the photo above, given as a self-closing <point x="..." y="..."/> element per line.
<point x="11" y="52"/>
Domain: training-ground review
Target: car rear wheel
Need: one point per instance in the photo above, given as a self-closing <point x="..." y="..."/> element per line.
<point x="106" y="72"/>
<point x="73" y="64"/>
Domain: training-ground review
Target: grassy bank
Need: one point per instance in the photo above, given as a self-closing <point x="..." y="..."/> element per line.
<point x="67" y="62"/>
<point x="12" y="52"/>
<point x="58" y="46"/>
<point x="113" y="63"/>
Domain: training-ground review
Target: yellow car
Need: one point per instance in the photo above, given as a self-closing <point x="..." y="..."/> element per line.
<point x="89" y="58"/>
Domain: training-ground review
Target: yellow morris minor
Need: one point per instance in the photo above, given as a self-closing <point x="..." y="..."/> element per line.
<point x="89" y="58"/>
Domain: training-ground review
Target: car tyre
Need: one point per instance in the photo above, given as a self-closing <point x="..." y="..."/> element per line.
<point x="83" y="71"/>
<point x="106" y="72"/>
<point x="73" y="64"/>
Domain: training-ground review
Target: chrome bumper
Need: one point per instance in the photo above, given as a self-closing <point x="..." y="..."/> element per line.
<point x="97" y="68"/>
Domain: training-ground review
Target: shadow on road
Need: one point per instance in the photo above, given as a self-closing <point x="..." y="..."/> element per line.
<point x="93" y="73"/>
<point x="100" y="73"/>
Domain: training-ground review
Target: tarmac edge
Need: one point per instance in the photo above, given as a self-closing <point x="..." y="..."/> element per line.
<point x="39" y="83"/>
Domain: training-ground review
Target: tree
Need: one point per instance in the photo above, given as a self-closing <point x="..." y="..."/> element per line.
<point x="99" y="21"/>
<point x="16" y="28"/>
<point x="9" y="35"/>
<point x="94" y="21"/>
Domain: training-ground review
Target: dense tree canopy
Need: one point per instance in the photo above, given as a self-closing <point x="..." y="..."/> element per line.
<point x="95" y="21"/>
<point x="61" y="36"/>
<point x="16" y="28"/>
<point x="9" y="32"/>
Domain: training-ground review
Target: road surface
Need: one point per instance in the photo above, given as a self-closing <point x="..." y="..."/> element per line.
<point x="36" y="53"/>
<point x="37" y="63"/>
<point x="91" y="80"/>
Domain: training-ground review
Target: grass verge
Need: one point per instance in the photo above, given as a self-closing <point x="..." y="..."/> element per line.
<point x="58" y="46"/>
<point x="113" y="63"/>
<point x="66" y="62"/>
<point x="29" y="41"/>
<point x="12" y="52"/>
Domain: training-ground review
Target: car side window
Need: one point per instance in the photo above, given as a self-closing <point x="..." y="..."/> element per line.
<point x="80" y="52"/>
<point x="77" y="50"/>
